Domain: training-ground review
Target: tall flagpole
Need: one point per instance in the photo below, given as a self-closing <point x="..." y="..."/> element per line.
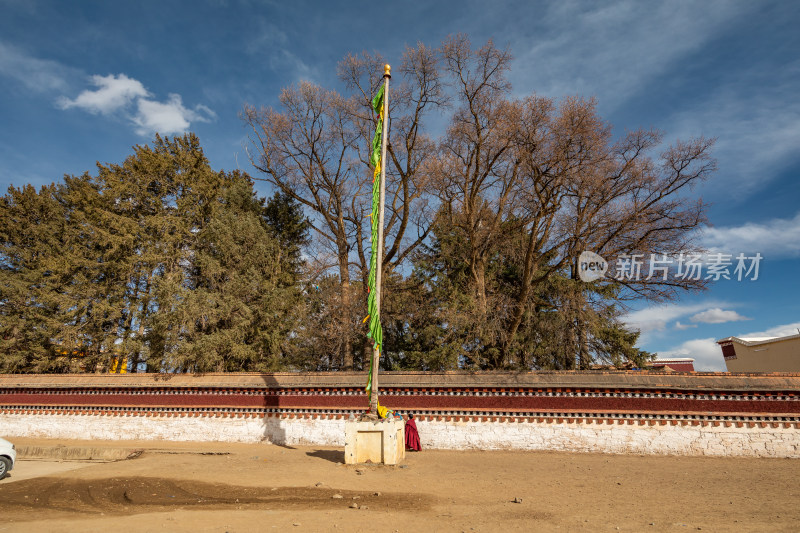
<point x="376" y="350"/>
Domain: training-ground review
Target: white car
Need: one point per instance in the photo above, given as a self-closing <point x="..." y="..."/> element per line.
<point x="8" y="455"/>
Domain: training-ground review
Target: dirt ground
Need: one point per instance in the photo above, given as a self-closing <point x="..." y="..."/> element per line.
<point x="220" y="487"/>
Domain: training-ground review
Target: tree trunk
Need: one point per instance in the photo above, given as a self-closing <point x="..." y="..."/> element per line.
<point x="583" y="346"/>
<point x="582" y="335"/>
<point x="345" y="324"/>
<point x="479" y="275"/>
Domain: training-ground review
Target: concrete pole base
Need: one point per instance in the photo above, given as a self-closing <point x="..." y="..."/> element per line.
<point x="374" y="441"/>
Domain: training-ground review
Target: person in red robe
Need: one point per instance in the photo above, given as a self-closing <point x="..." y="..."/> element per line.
<point x="412" y="435"/>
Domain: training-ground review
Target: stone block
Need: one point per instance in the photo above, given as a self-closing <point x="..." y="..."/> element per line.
<point x="378" y="441"/>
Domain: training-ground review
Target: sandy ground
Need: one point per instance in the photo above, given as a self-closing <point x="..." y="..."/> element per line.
<point x="33" y="469"/>
<point x="219" y="487"/>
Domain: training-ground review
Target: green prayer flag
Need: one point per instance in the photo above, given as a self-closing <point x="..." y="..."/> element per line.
<point x="375" y="330"/>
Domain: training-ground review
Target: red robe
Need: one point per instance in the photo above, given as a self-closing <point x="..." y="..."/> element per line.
<point x="412" y="436"/>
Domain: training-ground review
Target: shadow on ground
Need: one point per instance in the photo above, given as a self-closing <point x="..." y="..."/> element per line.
<point x="334" y="456"/>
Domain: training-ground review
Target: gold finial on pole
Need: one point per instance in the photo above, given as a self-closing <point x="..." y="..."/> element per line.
<point x="387" y="70"/>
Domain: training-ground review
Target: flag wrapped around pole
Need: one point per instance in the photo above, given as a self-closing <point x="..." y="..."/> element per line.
<point x="380" y="105"/>
<point x="374" y="313"/>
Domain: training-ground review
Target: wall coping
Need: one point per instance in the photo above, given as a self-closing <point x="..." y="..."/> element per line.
<point x="618" y="380"/>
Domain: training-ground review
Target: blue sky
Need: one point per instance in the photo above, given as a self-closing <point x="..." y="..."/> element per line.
<point x="85" y="81"/>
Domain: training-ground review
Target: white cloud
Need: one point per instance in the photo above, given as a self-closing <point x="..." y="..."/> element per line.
<point x="613" y="50"/>
<point x="706" y="353"/>
<point x="119" y="95"/>
<point x="756" y="131"/>
<point x="168" y="117"/>
<point x="717" y="315"/>
<point x="38" y="75"/>
<point x="654" y="319"/>
<point x="654" y="322"/>
<point x="274" y="44"/>
<point x="113" y="93"/>
<point x="779" y="237"/>
<point x="778" y="331"/>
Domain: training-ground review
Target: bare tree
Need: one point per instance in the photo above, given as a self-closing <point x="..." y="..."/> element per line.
<point x="315" y="148"/>
<point x="610" y="198"/>
<point x="537" y="184"/>
<point x="305" y="150"/>
<point x="415" y="93"/>
<point x="477" y="176"/>
<point x="512" y="193"/>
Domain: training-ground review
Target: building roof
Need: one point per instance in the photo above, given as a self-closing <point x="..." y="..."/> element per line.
<point x="757" y="341"/>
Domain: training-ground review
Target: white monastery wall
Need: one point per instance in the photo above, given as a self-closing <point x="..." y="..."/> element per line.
<point x="303" y="431"/>
<point x="617" y="437"/>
